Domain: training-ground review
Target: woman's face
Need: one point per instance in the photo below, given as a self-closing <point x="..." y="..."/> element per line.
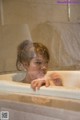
<point x="38" y="67"/>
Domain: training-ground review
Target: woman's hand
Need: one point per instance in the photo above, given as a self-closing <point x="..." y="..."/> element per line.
<point x="56" y="79"/>
<point x="37" y="83"/>
<point x="53" y="79"/>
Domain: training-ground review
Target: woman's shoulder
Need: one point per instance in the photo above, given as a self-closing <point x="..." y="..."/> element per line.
<point x="19" y="76"/>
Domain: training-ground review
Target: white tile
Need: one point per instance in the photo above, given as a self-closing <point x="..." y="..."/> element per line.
<point x="75" y="13"/>
<point x="32" y="12"/>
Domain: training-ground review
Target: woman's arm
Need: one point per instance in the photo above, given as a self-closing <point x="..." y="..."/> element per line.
<point x="53" y="79"/>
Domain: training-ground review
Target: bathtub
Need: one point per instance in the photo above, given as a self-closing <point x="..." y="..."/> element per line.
<point x="70" y="88"/>
<point x="52" y="103"/>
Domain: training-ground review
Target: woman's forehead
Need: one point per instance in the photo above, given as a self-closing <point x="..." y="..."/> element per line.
<point x="39" y="57"/>
<point x="37" y="54"/>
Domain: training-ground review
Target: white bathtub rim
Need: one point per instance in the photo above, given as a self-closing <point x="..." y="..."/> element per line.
<point x="56" y="91"/>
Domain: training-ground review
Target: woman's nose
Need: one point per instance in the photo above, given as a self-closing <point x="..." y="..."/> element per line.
<point x="44" y="67"/>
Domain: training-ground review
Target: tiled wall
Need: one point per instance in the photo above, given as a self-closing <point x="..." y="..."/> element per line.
<point x="44" y="21"/>
<point x="75" y="10"/>
<point x="12" y="35"/>
<point x="33" y="12"/>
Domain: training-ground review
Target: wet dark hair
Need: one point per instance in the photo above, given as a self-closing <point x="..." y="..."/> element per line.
<point x="41" y="49"/>
<point x="28" y="49"/>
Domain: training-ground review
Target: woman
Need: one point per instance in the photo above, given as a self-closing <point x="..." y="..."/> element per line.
<point x="34" y="58"/>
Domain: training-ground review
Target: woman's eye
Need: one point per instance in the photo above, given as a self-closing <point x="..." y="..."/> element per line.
<point x="39" y="63"/>
<point x="46" y="62"/>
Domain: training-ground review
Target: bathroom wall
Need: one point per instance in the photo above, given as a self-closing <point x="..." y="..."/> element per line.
<point x="12" y="35"/>
<point x="55" y="25"/>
